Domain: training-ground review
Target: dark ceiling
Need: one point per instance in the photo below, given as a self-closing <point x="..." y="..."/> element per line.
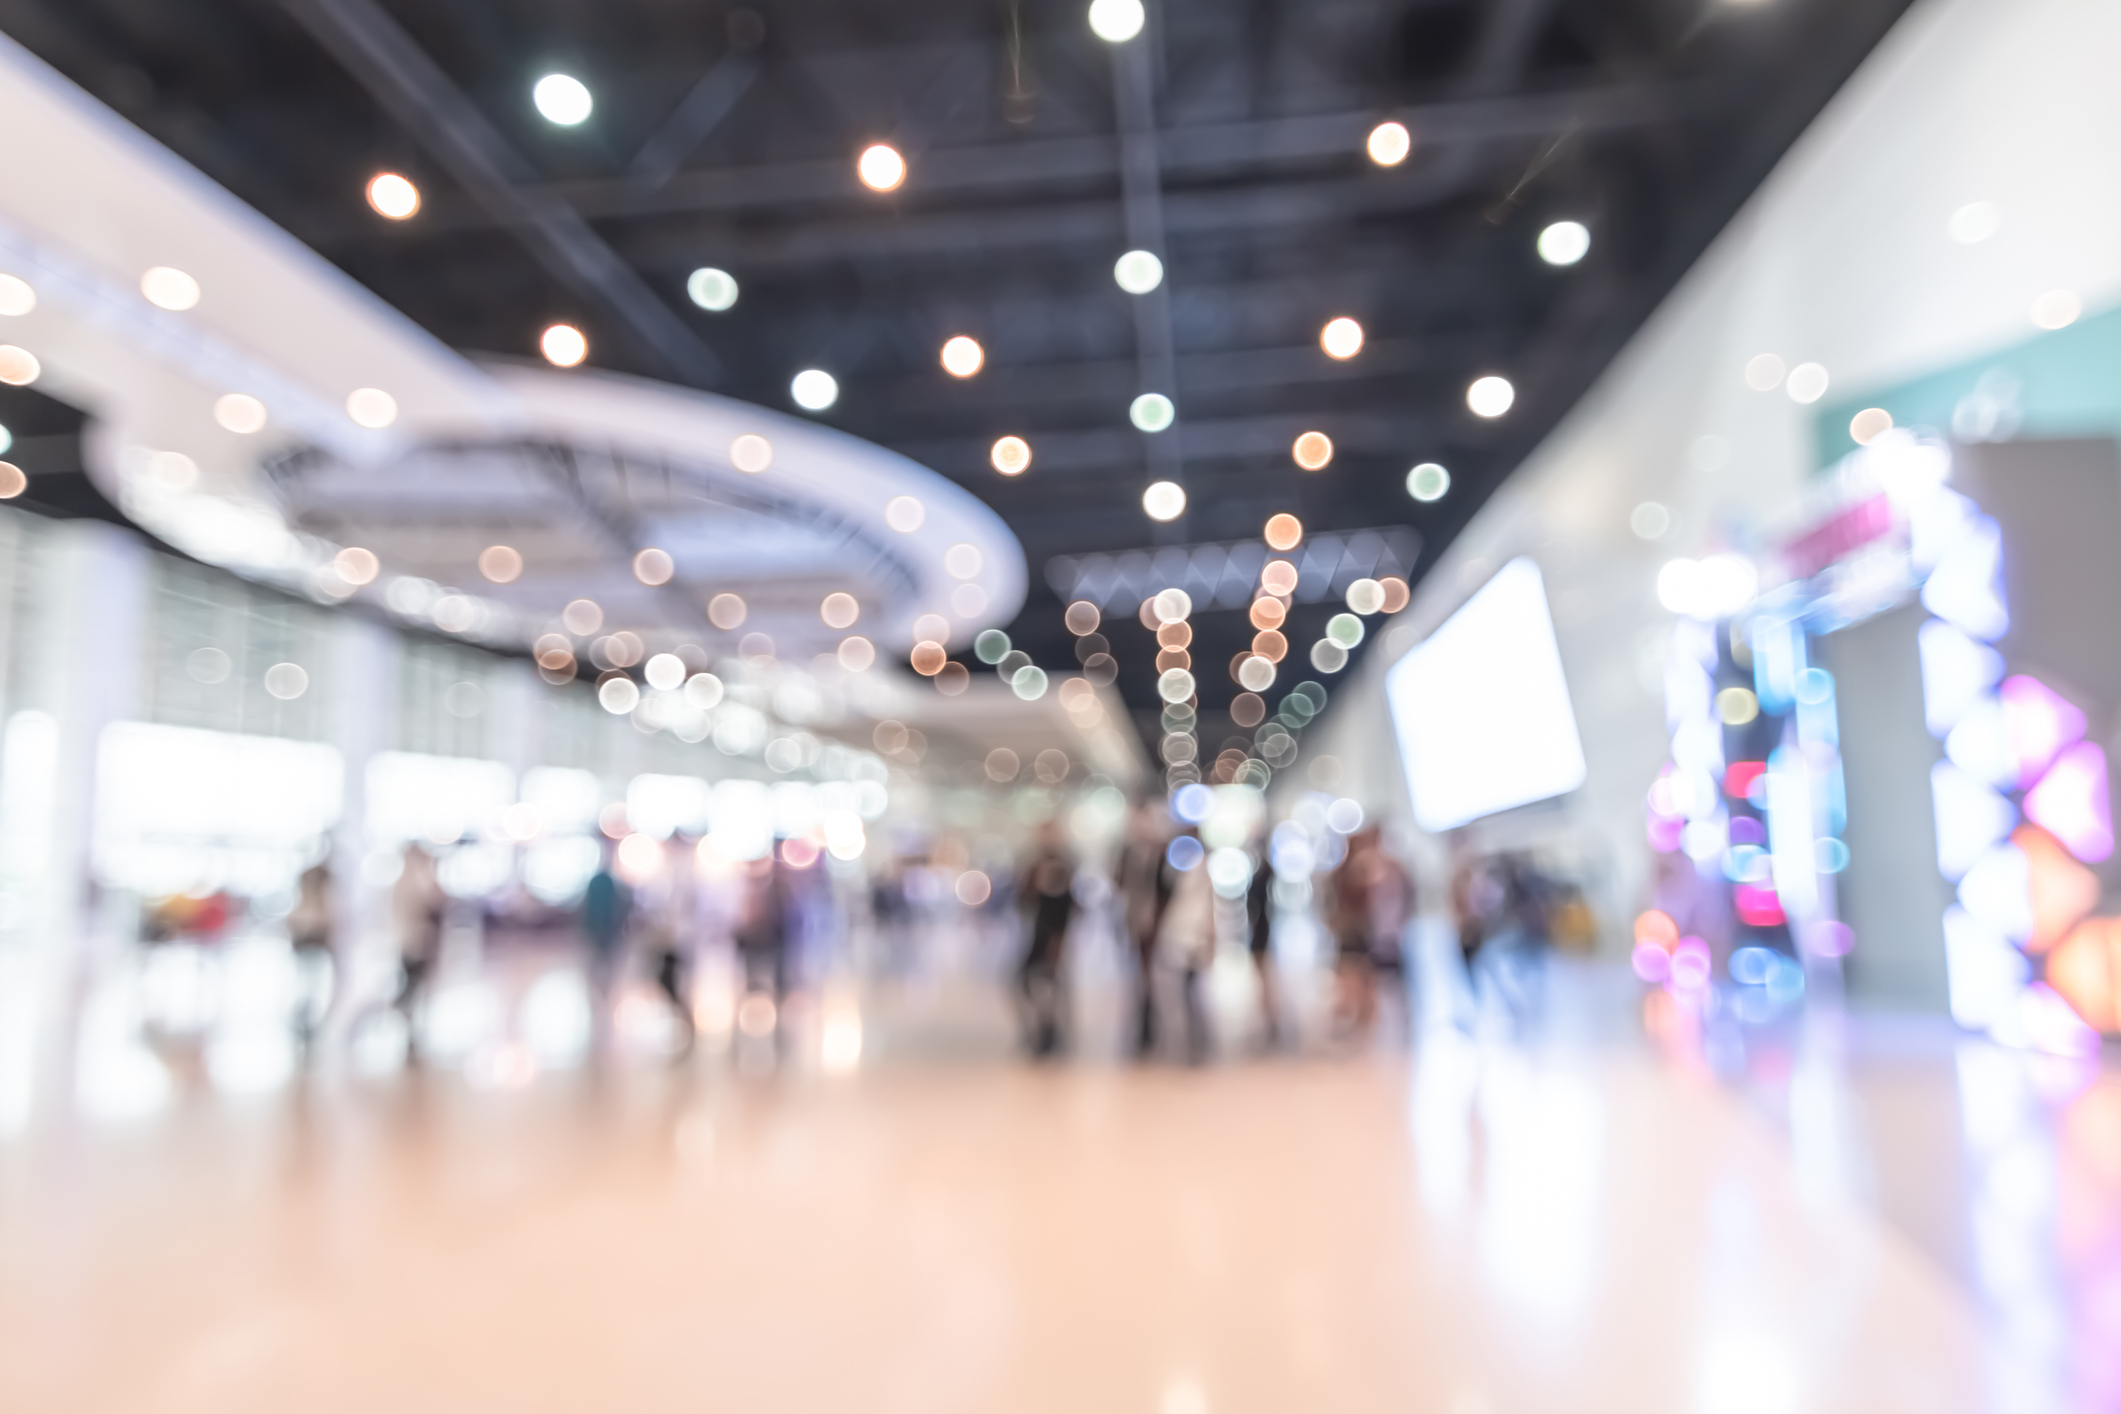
<point x="1230" y="134"/>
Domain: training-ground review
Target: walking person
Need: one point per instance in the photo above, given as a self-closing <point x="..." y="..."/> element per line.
<point x="1185" y="936"/>
<point x="1144" y="892"/>
<point x="607" y="906"/>
<point x="416" y="905"/>
<point x="309" y="930"/>
<point x="1259" y="937"/>
<point x="674" y="935"/>
<point x="1047" y="894"/>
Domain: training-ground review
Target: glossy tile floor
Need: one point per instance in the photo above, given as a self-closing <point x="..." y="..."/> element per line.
<point x="1472" y="1228"/>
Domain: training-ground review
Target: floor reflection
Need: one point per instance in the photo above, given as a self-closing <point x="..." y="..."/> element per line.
<point x="528" y="1199"/>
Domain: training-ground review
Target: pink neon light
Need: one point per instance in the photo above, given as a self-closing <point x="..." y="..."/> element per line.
<point x="2038" y="722"/>
<point x="1757" y="905"/>
<point x="2072" y="804"/>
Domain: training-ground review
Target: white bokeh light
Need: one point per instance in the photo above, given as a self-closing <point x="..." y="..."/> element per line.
<point x="814" y="389"/>
<point x="1564" y="243"/>
<point x="1491" y="396"/>
<point x="562" y="99"/>
<point x="1117" y="21"/>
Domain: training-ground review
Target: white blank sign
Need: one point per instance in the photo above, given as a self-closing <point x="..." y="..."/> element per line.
<point x="1482" y="709"/>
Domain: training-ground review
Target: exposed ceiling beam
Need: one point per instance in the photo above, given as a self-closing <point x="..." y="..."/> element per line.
<point x="411" y="87"/>
<point x="1199" y="151"/>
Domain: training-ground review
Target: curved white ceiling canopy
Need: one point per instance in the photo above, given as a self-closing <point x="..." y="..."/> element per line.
<point x="577" y="471"/>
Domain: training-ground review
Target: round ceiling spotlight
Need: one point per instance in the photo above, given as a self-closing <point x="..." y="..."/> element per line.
<point x="1284" y="531"/>
<point x="1428" y="482"/>
<point x="500" y="564"/>
<point x="1164" y="500"/>
<point x="839" y="610"/>
<point x="17" y="296"/>
<point x="1389" y="144"/>
<point x="1138" y="272"/>
<point x="356" y="565"/>
<point x="1117" y="21"/>
<point x="1011" y="456"/>
<point x="169" y="289"/>
<point x="963" y="357"/>
<point x="1869" y="425"/>
<point x="1152" y="412"/>
<point x="563" y="345"/>
<point x="814" y="389"/>
<point x="372" y="408"/>
<point x="964" y="561"/>
<point x="1491" y="396"/>
<point x="727" y="611"/>
<point x="240" y="413"/>
<point x="654" y="567"/>
<point x="1341" y="338"/>
<point x="711" y="289"/>
<point x="582" y="617"/>
<point x="1564" y="243"/>
<point x="1807" y="383"/>
<point x="18" y="366"/>
<point x="393" y="197"/>
<point x="750" y="453"/>
<point x="2057" y="309"/>
<point x="562" y="100"/>
<point x="1313" y="451"/>
<point x="905" y="514"/>
<point x="880" y="167"/>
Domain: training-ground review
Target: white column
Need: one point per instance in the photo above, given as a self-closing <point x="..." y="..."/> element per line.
<point x="364" y="677"/>
<point x="87" y="654"/>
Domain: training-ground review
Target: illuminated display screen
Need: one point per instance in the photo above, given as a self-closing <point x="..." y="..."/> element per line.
<point x="1482" y="708"/>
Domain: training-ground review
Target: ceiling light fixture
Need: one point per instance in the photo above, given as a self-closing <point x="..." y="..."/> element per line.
<point x="814" y="389"/>
<point x="1117" y="21"/>
<point x="1389" y="144"/>
<point x="1012" y="456"/>
<point x="1313" y="451"/>
<point x="963" y="357"/>
<point x="563" y="345"/>
<point x="1138" y="272"/>
<point x="1164" y="500"/>
<point x="880" y="167"/>
<point x="1341" y="338"/>
<point x="562" y="99"/>
<point x="1564" y="243"/>
<point x="711" y="289"/>
<point x="372" y="408"/>
<point x="239" y="413"/>
<point x="1490" y="397"/>
<point x="169" y="289"/>
<point x="1152" y="412"/>
<point x="1428" y="482"/>
<point x="393" y="197"/>
<point x="500" y="564"/>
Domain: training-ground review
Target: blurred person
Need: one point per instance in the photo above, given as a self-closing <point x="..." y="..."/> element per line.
<point x="416" y="906"/>
<point x="607" y="909"/>
<point x="673" y="931"/>
<point x="309" y="929"/>
<point x="1259" y="929"/>
<point x="1510" y="965"/>
<point x="1372" y="901"/>
<point x="1046" y="894"/>
<point x="1144" y="890"/>
<point x="762" y="929"/>
<point x="1185" y="943"/>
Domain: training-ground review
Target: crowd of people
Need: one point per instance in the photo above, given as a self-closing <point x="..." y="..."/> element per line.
<point x="1155" y="897"/>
